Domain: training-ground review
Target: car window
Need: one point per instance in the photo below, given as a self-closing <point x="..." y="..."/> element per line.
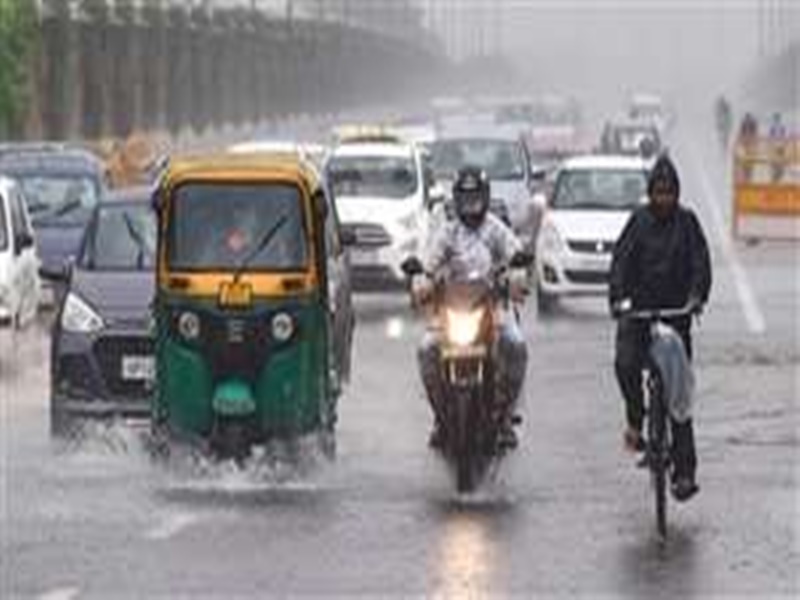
<point x="600" y="189"/>
<point x="18" y="221"/>
<point x="64" y="197"/>
<point x="500" y="160"/>
<point x="385" y="177"/>
<point x="224" y="226"/>
<point x="3" y="224"/>
<point x="122" y="238"/>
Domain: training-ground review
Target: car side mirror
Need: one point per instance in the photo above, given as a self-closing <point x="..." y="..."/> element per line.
<point x="412" y="266"/>
<point x="58" y="274"/>
<point x="348" y="236"/>
<point x="521" y="260"/>
<point x="436" y="195"/>
<point x="538" y="174"/>
<point x="23" y="241"/>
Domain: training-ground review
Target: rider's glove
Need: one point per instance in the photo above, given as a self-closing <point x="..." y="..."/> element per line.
<point x="620" y="307"/>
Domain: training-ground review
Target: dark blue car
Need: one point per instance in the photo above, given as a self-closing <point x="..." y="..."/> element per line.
<point x="62" y="186"/>
<point x="101" y="356"/>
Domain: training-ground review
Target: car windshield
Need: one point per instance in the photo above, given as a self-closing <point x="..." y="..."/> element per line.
<point x="123" y="239"/>
<point x="600" y="189"/>
<point x="61" y="197"/>
<point x="225" y="227"/>
<point x="500" y="160"/>
<point x="373" y="176"/>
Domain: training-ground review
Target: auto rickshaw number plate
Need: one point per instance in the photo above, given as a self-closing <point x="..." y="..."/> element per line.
<point x="235" y="294"/>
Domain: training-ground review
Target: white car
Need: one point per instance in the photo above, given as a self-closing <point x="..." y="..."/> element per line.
<point x="19" y="265"/>
<point x="649" y="109"/>
<point x="380" y="192"/>
<point x="591" y="202"/>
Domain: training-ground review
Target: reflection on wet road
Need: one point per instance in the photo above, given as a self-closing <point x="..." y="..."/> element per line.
<point x="567" y="514"/>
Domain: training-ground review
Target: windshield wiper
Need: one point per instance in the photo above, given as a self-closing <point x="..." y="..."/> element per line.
<point x="67" y="208"/>
<point x="589" y="204"/>
<point x="262" y="245"/>
<point x="138" y="239"/>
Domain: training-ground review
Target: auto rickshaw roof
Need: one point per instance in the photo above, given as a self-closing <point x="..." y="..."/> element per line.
<point x="249" y="167"/>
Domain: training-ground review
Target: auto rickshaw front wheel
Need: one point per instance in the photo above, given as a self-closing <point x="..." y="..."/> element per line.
<point x="232" y="438"/>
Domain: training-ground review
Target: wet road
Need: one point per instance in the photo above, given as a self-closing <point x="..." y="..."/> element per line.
<point x="567" y="514"/>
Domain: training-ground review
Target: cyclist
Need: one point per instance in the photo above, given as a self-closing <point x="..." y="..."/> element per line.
<point x="660" y="261"/>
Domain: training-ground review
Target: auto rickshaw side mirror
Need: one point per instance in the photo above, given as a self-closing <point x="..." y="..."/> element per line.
<point x="412" y="266"/>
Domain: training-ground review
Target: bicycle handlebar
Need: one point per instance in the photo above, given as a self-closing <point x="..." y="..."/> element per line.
<point x="658" y="314"/>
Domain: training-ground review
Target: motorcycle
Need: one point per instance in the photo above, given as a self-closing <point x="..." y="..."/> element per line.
<point x="469" y="311"/>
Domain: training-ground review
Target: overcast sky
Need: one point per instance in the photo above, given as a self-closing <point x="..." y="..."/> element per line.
<point x="603" y="48"/>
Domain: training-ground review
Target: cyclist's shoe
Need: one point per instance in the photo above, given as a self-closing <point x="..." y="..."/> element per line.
<point x="436" y="438"/>
<point x="506" y="436"/>
<point x="644" y="461"/>
<point x="683" y="488"/>
<point x="634" y="441"/>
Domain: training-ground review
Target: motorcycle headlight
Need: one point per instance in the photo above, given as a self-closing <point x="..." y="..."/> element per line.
<point x="282" y="327"/>
<point x="78" y="317"/>
<point x="463" y="327"/>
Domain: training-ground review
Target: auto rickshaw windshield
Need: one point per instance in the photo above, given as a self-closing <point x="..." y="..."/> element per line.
<point x="226" y="227"/>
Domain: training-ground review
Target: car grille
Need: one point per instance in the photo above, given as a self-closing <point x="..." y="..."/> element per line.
<point x="369" y="235"/>
<point x="591" y="246"/>
<point x="587" y="277"/>
<point x="109" y="352"/>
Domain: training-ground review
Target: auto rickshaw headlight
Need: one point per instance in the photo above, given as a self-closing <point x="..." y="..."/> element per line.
<point x="282" y="327"/>
<point x="189" y="326"/>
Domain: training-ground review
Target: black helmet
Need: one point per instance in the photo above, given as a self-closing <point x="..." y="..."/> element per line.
<point x="472" y="196"/>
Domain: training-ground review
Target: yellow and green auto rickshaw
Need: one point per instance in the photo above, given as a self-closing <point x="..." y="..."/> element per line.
<point x="252" y="310"/>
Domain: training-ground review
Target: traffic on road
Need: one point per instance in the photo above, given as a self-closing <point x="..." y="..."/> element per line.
<point x="491" y="343"/>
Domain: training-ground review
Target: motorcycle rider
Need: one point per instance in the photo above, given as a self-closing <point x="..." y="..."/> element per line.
<point x="476" y="241"/>
<point x="660" y="261"/>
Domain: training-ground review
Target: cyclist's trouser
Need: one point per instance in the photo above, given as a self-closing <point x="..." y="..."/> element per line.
<point x="631" y="352"/>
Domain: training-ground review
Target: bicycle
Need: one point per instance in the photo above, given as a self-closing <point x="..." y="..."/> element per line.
<point x="658" y="458"/>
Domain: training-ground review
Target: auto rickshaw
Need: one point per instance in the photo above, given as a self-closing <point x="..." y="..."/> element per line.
<point x="246" y="348"/>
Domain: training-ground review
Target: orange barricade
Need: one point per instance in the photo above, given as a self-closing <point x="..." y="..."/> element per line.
<point x="766" y="189"/>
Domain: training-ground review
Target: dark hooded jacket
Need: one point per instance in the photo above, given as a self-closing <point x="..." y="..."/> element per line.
<point x="661" y="262"/>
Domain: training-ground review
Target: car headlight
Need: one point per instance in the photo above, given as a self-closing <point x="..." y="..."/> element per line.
<point x="282" y="327"/>
<point x="463" y="327"/>
<point x="189" y="326"/>
<point x="551" y="241"/>
<point x="78" y="317"/>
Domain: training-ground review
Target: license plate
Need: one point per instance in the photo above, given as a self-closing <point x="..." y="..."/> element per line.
<point x="364" y="257"/>
<point x="138" y="368"/>
<point x="595" y="264"/>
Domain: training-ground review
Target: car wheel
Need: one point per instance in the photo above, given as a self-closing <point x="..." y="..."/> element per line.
<point x="62" y="425"/>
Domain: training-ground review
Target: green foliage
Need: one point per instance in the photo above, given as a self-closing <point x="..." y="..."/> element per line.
<point x="18" y="39"/>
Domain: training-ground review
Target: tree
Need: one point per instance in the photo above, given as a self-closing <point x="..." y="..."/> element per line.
<point x="18" y="39"/>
